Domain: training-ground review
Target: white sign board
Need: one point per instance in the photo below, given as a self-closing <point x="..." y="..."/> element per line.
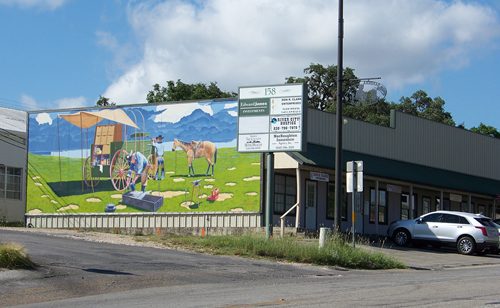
<point x="354" y="174"/>
<point x="455" y="198"/>
<point x="319" y="176"/>
<point x="271" y="118"/>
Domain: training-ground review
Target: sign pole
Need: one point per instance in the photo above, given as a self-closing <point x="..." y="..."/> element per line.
<point x="353" y="212"/>
<point x="354" y="184"/>
<point x="269" y="194"/>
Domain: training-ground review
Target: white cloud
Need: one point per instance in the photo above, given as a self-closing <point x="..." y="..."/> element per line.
<point x="233" y="113"/>
<point x="173" y="113"/>
<point x="71" y="102"/>
<point x="27" y="4"/>
<point x="107" y="40"/>
<point x="28" y="102"/>
<point x="230" y="105"/>
<point x="43" y="118"/>
<point x="249" y="42"/>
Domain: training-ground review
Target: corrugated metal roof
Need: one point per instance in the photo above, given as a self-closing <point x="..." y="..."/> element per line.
<point x="13" y="120"/>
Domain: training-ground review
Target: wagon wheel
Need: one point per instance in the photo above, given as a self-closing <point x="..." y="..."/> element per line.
<point x="118" y="170"/>
<point x="90" y="181"/>
<point x="153" y="162"/>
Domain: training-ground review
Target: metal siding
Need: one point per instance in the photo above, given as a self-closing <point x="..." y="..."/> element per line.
<point x="413" y="140"/>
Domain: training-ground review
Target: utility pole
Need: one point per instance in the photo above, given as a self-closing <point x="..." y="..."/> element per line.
<point x="338" y="147"/>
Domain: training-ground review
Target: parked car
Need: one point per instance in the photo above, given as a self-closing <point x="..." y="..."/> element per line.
<point x="468" y="232"/>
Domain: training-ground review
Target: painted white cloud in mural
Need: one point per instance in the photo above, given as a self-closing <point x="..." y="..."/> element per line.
<point x="233" y="113"/>
<point x="43" y="118"/>
<point x="174" y="113"/>
<point x="231" y="105"/>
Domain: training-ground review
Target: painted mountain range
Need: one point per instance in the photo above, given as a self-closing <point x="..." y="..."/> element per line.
<point x="198" y="125"/>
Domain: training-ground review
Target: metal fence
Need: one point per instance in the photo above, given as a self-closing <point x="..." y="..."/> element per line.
<point x="144" y="220"/>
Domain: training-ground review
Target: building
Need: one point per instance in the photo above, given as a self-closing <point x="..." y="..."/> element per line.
<point x="413" y="167"/>
<point x="12" y="165"/>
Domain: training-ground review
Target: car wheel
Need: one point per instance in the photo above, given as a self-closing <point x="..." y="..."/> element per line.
<point x="401" y="237"/>
<point x="466" y="245"/>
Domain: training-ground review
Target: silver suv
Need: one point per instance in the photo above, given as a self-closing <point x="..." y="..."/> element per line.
<point x="468" y="232"/>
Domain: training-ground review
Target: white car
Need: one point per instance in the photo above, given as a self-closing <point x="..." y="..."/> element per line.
<point x="468" y="232"/>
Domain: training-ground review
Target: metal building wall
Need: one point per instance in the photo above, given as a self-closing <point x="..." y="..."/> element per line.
<point x="413" y="140"/>
<point x="13" y="147"/>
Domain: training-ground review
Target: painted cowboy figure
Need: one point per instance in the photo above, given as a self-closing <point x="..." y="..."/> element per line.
<point x="160" y="149"/>
<point x="138" y="168"/>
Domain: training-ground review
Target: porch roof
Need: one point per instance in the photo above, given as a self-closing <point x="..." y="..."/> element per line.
<point x="324" y="157"/>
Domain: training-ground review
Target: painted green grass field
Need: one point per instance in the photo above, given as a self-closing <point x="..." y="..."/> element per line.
<point x="55" y="185"/>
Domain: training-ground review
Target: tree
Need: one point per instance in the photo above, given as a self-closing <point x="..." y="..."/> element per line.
<point x="182" y="91"/>
<point x="420" y="104"/>
<point x="104" y="102"/>
<point x="486" y="130"/>
<point x="322" y="85"/>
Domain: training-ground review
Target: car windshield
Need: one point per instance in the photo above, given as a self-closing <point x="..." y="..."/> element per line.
<point x="485" y="222"/>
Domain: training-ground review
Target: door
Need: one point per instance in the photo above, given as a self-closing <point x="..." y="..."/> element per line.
<point x="427" y="228"/>
<point x="311" y="200"/>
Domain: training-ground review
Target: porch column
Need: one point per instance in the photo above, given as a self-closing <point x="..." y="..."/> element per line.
<point x="441" y="200"/>
<point x="412" y="205"/>
<point x="299" y="196"/>
<point x="377" y="197"/>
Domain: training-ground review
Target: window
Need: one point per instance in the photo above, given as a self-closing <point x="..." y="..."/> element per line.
<point x="405" y="206"/>
<point x="2" y="181"/>
<point x="446" y="204"/>
<point x="285" y="193"/>
<point x="330" y="207"/>
<point x="415" y="205"/>
<point x="373" y="204"/>
<point x="382" y="207"/>
<point x="436" y="217"/>
<point x="464" y="207"/>
<point x="463" y="221"/>
<point x="426" y="205"/>
<point x="481" y="208"/>
<point x="450" y="219"/>
<point x="10" y="182"/>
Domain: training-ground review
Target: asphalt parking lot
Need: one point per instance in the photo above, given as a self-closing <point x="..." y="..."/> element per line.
<point x="427" y="258"/>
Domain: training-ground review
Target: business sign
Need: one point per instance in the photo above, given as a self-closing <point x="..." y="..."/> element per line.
<point x="319" y="176"/>
<point x="271" y="118"/>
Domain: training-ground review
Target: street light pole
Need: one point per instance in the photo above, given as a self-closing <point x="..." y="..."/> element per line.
<point x="338" y="147"/>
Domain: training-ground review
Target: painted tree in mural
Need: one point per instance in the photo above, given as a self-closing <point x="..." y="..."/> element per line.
<point x="177" y="91"/>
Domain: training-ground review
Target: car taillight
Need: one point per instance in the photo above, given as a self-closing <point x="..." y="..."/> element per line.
<point x="483" y="229"/>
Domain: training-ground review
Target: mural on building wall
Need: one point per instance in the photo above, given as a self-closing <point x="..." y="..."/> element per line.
<point x="163" y="158"/>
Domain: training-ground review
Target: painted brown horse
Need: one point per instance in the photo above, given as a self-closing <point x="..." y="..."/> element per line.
<point x="196" y="149"/>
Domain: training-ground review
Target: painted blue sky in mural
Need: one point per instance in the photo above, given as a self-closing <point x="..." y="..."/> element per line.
<point x="210" y="120"/>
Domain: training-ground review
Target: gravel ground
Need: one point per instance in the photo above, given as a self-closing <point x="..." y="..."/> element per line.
<point x="89" y="236"/>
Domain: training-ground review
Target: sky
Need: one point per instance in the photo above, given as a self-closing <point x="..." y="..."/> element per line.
<point x="66" y="53"/>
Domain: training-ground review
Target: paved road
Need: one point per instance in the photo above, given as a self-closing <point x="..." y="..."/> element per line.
<point x="78" y="273"/>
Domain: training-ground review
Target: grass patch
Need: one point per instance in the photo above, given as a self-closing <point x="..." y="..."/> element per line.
<point x="54" y="183"/>
<point x="337" y="251"/>
<point x="13" y="256"/>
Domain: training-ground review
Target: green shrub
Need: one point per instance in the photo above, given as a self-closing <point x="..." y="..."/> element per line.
<point x="337" y="251"/>
<point x="13" y="256"/>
